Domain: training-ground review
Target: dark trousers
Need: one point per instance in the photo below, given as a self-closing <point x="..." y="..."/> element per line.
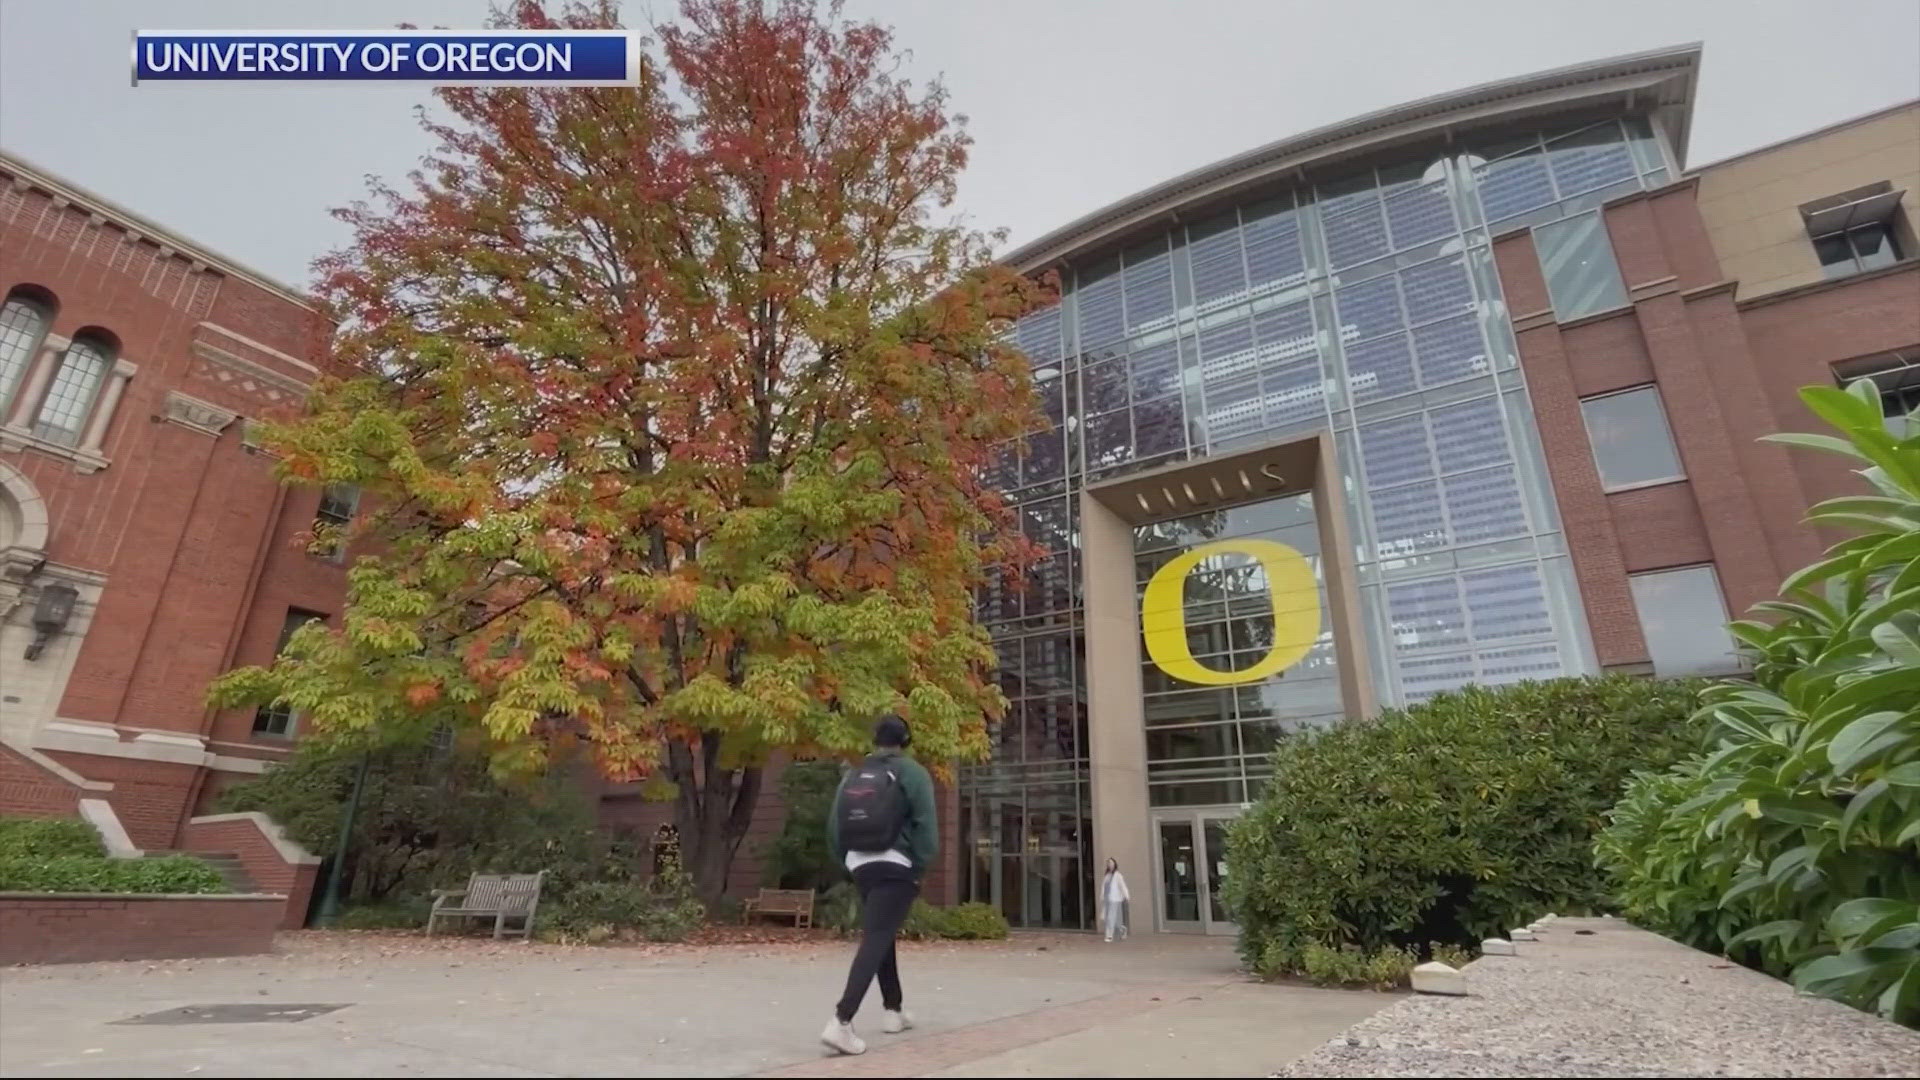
<point x="887" y="891"/>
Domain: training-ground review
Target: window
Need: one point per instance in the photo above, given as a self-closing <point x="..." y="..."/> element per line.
<point x="23" y="325"/>
<point x="1856" y="231"/>
<point x="1685" y="622"/>
<point x="1576" y="256"/>
<point x="276" y="719"/>
<point x="337" y="505"/>
<point x="77" y="377"/>
<point x="1632" y="445"/>
<point x="1868" y="247"/>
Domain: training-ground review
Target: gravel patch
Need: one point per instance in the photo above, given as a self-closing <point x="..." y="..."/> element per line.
<point x="1617" y="1001"/>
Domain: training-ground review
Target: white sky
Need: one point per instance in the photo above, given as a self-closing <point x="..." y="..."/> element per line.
<point x="1073" y="103"/>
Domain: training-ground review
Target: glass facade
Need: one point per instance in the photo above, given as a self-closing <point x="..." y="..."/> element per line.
<point x="1368" y="307"/>
<point x="1209" y="745"/>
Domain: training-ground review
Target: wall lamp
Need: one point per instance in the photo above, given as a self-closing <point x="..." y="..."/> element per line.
<point x="50" y="615"/>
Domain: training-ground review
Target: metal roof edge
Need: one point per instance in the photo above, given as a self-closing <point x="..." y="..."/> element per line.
<point x="1298" y="151"/>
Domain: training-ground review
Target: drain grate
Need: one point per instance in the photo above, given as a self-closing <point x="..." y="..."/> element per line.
<point x="251" y="1013"/>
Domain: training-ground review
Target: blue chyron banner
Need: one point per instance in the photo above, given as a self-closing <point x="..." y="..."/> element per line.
<point x="433" y="57"/>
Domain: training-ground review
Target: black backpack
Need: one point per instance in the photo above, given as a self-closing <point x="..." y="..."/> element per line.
<point x="872" y="807"/>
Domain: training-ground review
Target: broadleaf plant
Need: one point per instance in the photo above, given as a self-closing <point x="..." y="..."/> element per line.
<point x="1793" y="843"/>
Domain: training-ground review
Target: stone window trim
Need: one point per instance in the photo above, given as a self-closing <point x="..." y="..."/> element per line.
<point x="88" y="455"/>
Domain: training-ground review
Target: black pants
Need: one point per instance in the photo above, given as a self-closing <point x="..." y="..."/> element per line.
<point x="887" y="891"/>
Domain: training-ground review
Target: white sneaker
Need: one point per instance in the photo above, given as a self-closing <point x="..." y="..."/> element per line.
<point x="893" y="1023"/>
<point x="840" y="1038"/>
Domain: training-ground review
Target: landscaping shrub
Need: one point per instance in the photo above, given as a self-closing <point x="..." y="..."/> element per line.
<point x="1448" y="821"/>
<point x="665" y="909"/>
<point x="429" y="816"/>
<point x="1385" y="968"/>
<point x="961" y="922"/>
<point x="67" y="855"/>
<point x="98" y="874"/>
<point x="839" y="910"/>
<point x="1793" y="842"/>
<point x="35" y="837"/>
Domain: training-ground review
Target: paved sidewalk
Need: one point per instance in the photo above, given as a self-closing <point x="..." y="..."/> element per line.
<point x="1600" y="997"/>
<point x="1057" y="1005"/>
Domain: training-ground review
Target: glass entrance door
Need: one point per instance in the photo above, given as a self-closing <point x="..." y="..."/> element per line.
<point x="1190" y="849"/>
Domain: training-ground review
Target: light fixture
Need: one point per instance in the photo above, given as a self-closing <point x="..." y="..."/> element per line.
<point x="50" y="616"/>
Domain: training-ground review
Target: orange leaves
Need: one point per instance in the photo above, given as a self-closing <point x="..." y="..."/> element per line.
<point x="422" y="694"/>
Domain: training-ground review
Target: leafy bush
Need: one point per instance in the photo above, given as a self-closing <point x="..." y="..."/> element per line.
<point x="98" y="874"/>
<point x="1385" y="968"/>
<point x="1794" y="842"/>
<point x="961" y="922"/>
<point x="798" y="857"/>
<point x="37" y="838"/>
<point x="839" y="910"/>
<point x="1448" y="821"/>
<point x="428" y="817"/>
<point x="665" y="909"/>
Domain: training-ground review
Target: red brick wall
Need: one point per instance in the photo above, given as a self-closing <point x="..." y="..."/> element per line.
<point x="270" y="870"/>
<point x="85" y="927"/>
<point x="1659" y="527"/>
<point x="150" y="797"/>
<point x="195" y="535"/>
<point x="26" y="788"/>
<point x="1727" y="376"/>
<point x="1585" y="516"/>
<point x="1797" y="337"/>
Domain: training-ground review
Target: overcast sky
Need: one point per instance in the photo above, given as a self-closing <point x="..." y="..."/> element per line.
<point x="1073" y="103"/>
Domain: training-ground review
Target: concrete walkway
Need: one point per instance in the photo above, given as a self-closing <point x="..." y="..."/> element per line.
<point x="1599" y="997"/>
<point x="1053" y="1005"/>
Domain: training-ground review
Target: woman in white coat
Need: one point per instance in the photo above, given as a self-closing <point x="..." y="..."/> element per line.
<point x="1113" y="900"/>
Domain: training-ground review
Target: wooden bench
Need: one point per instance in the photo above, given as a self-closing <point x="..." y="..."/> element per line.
<point x="796" y="904"/>
<point x="500" y="897"/>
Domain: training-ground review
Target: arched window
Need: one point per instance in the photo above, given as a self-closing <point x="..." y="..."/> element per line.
<point x="77" y="377"/>
<point x="23" y="325"/>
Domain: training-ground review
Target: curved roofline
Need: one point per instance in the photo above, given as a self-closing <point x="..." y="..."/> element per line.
<point x="1660" y="81"/>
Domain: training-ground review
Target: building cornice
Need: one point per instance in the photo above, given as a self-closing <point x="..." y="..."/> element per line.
<point x="34" y="176"/>
<point x="1661" y="81"/>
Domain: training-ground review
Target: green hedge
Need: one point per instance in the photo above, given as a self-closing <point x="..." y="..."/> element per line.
<point x="838" y="909"/>
<point x="35" y="838"/>
<point x="1446" y="822"/>
<point x="89" y="873"/>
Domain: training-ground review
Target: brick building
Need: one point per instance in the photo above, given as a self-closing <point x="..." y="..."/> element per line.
<point x="145" y="546"/>
<point x="1467" y="390"/>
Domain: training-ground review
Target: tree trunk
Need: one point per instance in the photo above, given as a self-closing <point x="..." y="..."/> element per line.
<point x="712" y="811"/>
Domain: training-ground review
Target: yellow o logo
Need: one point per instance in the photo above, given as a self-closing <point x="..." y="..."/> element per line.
<point x="1291" y="588"/>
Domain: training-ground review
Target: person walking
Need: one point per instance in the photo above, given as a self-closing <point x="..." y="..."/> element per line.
<point x="1113" y="899"/>
<point x="883" y="830"/>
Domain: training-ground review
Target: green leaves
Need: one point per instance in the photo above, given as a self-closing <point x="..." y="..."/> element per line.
<point x="1454" y="819"/>
<point x="1794" y="841"/>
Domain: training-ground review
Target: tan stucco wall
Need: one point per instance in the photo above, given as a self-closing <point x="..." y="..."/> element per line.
<point x="1751" y="203"/>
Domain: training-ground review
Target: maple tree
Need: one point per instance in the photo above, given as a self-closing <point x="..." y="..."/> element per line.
<point x="678" y="403"/>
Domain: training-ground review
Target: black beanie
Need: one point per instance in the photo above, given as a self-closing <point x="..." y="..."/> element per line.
<point x="890" y="731"/>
